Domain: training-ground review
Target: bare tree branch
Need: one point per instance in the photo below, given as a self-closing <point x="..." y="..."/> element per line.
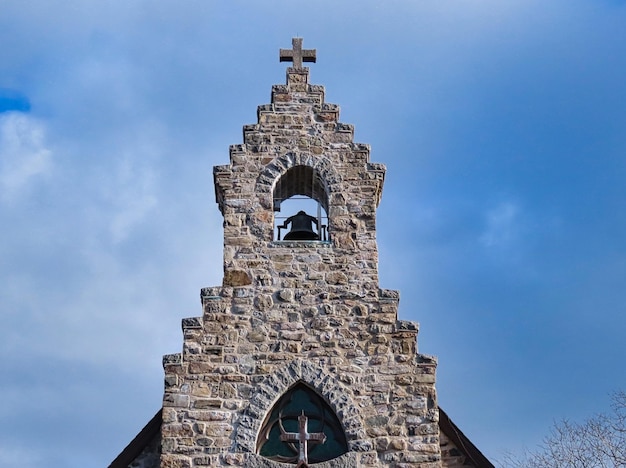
<point x="599" y="442"/>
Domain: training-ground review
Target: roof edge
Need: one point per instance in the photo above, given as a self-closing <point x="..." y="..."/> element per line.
<point x="462" y="442"/>
<point x="136" y="446"/>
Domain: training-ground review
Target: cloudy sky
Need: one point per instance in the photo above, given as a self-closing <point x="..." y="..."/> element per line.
<point x="503" y="220"/>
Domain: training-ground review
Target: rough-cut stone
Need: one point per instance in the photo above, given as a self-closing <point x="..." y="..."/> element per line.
<point x="236" y="278"/>
<point x="293" y="312"/>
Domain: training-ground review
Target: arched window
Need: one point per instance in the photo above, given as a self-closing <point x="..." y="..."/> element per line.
<point x="304" y="191"/>
<point x="301" y="414"/>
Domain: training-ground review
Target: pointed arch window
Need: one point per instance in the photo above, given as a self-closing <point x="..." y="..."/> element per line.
<point x="278" y="438"/>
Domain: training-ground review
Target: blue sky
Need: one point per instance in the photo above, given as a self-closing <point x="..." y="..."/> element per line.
<point x="502" y="221"/>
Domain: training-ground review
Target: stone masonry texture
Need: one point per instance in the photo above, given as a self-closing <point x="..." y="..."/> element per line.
<point x="299" y="311"/>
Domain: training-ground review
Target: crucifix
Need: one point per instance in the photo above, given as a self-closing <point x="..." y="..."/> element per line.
<point x="302" y="437"/>
<point x="297" y="54"/>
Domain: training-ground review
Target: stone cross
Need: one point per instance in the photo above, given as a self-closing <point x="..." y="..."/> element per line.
<point x="302" y="437"/>
<point x="297" y="55"/>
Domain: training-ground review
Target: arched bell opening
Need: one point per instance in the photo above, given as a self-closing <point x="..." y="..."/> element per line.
<point x="301" y="428"/>
<point x="300" y="202"/>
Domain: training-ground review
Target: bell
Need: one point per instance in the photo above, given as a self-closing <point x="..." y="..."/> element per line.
<point x="301" y="227"/>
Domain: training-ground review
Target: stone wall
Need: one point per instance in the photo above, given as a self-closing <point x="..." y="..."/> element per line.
<point x="300" y="311"/>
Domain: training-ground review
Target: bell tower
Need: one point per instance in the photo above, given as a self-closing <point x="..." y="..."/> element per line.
<point x="299" y="358"/>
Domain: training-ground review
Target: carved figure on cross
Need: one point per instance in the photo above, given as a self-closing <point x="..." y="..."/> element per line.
<point x="303" y="437"/>
<point x="297" y="54"/>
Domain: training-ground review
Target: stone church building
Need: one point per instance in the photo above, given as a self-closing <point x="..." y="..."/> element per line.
<point x="299" y="358"/>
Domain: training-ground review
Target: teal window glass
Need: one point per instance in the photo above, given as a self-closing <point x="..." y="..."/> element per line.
<point x="283" y="419"/>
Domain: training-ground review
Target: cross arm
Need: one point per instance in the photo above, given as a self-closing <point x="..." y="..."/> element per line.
<point x="318" y="436"/>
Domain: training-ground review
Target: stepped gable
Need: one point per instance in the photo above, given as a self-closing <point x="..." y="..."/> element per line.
<point x="299" y="358"/>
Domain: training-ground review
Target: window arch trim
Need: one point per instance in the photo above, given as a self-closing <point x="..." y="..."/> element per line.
<point x="269" y="390"/>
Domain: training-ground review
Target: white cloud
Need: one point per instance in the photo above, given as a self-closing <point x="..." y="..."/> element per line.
<point x="24" y="156"/>
<point x="124" y="178"/>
